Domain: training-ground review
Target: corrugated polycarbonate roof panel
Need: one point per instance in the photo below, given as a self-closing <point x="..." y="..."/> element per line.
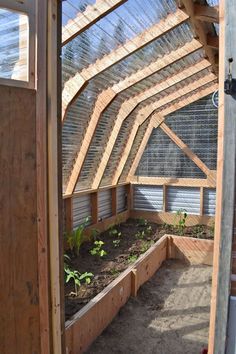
<point x="116" y="28"/>
<point x="136" y="144"/>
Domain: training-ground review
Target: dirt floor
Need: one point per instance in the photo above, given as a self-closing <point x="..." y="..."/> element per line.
<point x="169" y="316"/>
<point x="123" y="244"/>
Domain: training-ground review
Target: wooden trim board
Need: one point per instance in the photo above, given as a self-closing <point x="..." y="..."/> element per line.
<point x="84" y="327"/>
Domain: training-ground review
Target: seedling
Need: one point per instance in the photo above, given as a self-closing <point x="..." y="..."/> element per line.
<point x="114" y="232"/>
<point x="182" y="216"/>
<point x="77" y="277"/>
<point x="142" y="222"/>
<point x="76" y="237"/>
<point x="114" y="271"/>
<point x="132" y="258"/>
<point x="146" y="245"/>
<point x="116" y="243"/>
<point x="149" y="230"/>
<point x="140" y="235"/>
<point x="97" y="249"/>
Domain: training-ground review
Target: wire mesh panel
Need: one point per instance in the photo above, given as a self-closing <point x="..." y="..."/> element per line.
<point x="187" y="198"/>
<point x="196" y="125"/>
<point x="148" y="198"/>
<point x="104" y="204"/>
<point x="163" y="158"/>
<point x="121" y="199"/>
<point x="209" y="201"/>
<point x="81" y="209"/>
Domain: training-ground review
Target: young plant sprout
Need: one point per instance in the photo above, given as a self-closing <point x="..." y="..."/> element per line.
<point x="181" y="214"/>
<point x="76" y="237"/>
<point x="77" y="278"/>
<point x="97" y="249"/>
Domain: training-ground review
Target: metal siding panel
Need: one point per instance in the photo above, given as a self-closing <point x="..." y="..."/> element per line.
<point x="121" y="199"/>
<point x="104" y="204"/>
<point x="187" y="198"/>
<point x="81" y="209"/>
<point x="148" y="198"/>
<point x="209" y="203"/>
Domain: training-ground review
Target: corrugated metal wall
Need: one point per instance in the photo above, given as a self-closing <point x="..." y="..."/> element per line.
<point x="183" y="198"/>
<point x="148" y="198"/>
<point x="81" y="209"/>
<point x="121" y="202"/>
<point x="209" y="203"/>
<point x="104" y="204"/>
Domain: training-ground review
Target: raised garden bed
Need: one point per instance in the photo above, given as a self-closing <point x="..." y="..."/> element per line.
<point x="90" y="321"/>
<point x="123" y="244"/>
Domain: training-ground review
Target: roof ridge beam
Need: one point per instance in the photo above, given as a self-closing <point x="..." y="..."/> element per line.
<point x="157" y="119"/>
<point x="74" y="85"/>
<point x="89" y="17"/>
<point x="145" y="112"/>
<point x="106" y="97"/>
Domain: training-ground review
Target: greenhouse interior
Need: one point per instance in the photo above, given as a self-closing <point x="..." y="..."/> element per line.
<point x="118" y="165"/>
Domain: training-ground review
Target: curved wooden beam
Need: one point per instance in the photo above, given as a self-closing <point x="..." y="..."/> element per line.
<point x="206" y="13"/>
<point x="106" y="97"/>
<point x="146" y="95"/>
<point x="143" y="114"/>
<point x="89" y="17"/>
<point x="75" y="84"/>
<point x="155" y="122"/>
<point x="198" y="26"/>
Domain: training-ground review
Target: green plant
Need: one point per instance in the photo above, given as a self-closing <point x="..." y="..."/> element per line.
<point x="97" y="249"/>
<point x="77" y="278"/>
<point x="76" y="237"/>
<point x="148" y="230"/>
<point x="132" y="258"/>
<point x="114" y="232"/>
<point x="114" y="271"/>
<point x="66" y="260"/>
<point x="142" y="222"/>
<point x="116" y="243"/>
<point x="140" y="235"/>
<point x="146" y="245"/>
<point x="181" y="214"/>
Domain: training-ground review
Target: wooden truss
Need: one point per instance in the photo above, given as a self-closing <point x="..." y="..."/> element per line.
<point x="158" y="120"/>
<point x="86" y="19"/>
<point x="74" y="85"/>
<point x="107" y="96"/>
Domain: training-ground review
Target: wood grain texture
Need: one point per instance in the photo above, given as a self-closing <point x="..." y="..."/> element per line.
<point x="19" y="302"/>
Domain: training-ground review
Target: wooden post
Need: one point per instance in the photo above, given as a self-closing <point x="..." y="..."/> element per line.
<point x="114" y="201"/>
<point x="164" y="198"/>
<point x="94" y="207"/>
<point x="201" y="201"/>
<point x="225" y="198"/>
<point x="68" y="214"/>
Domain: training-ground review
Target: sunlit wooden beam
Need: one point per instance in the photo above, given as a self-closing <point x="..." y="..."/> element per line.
<point x="74" y="85"/>
<point x="89" y="17"/>
<point x="107" y="96"/>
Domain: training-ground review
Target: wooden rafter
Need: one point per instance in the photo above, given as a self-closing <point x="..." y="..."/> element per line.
<point x="75" y="84"/>
<point x="165" y="181"/>
<point x="154" y="123"/>
<point x="90" y="16"/>
<point x="195" y="11"/>
<point x="106" y="97"/>
<point x="206" y="13"/>
<point x="143" y="114"/>
<point x="147" y="94"/>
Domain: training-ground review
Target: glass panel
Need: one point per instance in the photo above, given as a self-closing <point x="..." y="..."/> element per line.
<point x="13" y="45"/>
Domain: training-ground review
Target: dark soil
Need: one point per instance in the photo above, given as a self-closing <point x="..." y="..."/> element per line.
<point x="134" y="239"/>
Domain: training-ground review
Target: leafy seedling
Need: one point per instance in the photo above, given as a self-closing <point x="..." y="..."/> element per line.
<point x="146" y="245"/>
<point x="77" y="278"/>
<point x="76" y="237"/>
<point x="132" y="258"/>
<point x="181" y="214"/>
<point x="97" y="249"/>
<point x="116" y="243"/>
<point x="142" y="222"/>
<point x="140" y="235"/>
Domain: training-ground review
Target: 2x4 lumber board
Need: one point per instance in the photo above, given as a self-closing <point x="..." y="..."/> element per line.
<point x="206" y="13"/>
<point x="200" y="31"/>
<point x="84" y="20"/>
<point x="225" y="196"/>
<point x="68" y="214"/>
<point x="107" y="96"/>
<point x="170" y="181"/>
<point x="192" y="251"/>
<point x="74" y="85"/>
<point x="144" y="114"/>
<point x="213" y="41"/>
<point x="170" y="218"/>
<point x="201" y="200"/>
<point x="131" y="104"/>
<point x="187" y="151"/>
